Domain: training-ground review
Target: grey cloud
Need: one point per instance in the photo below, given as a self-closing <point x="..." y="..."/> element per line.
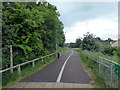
<point x="82" y="11"/>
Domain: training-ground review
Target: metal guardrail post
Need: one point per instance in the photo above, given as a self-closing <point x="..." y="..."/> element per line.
<point x="42" y="59"/>
<point x="56" y="50"/>
<point x="11" y="58"/>
<point x="119" y="83"/>
<point x="111" y="71"/>
<point x="19" y="69"/>
<point x="33" y="63"/>
<point x="19" y="65"/>
<point x="99" y="65"/>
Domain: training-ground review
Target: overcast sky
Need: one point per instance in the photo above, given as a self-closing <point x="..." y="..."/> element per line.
<point x="98" y="18"/>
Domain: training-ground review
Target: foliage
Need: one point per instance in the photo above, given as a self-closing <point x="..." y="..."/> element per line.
<point x="78" y="42"/>
<point x="109" y="50"/>
<point x="92" y="68"/>
<point x="118" y="52"/>
<point x="109" y="40"/>
<point x="94" y="55"/>
<point x="62" y="50"/>
<point x="89" y="42"/>
<point x="72" y="45"/>
<point x="98" y="39"/>
<point x="31" y="28"/>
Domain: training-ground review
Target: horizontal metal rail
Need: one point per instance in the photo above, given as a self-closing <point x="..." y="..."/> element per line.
<point x="111" y="71"/>
<point x="105" y="65"/>
<point x="1" y="71"/>
<point x="108" y="70"/>
<point x="109" y="61"/>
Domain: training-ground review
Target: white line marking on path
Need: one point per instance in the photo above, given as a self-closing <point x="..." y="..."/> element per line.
<point x="62" y="69"/>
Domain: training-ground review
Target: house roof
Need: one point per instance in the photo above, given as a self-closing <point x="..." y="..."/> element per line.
<point x="105" y="43"/>
<point x="116" y="44"/>
<point x="113" y="41"/>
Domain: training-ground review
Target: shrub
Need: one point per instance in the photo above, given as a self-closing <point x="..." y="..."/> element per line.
<point x="109" y="50"/>
<point x="89" y="43"/>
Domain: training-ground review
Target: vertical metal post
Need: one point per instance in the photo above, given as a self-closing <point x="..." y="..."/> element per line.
<point x="111" y="70"/>
<point x="42" y="59"/>
<point x="11" y="58"/>
<point x="19" y="69"/>
<point x="119" y="83"/>
<point x="99" y="64"/>
<point x="56" y="49"/>
<point x="33" y="63"/>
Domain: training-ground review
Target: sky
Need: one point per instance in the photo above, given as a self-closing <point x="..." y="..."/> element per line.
<point x="98" y="18"/>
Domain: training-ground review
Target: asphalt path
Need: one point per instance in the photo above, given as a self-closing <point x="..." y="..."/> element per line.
<point x="73" y="71"/>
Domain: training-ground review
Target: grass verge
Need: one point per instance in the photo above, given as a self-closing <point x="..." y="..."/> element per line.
<point x="63" y="50"/>
<point x="92" y="69"/>
<point x="9" y="79"/>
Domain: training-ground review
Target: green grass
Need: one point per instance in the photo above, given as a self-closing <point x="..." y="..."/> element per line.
<point x="63" y="50"/>
<point x="10" y="79"/>
<point x="76" y="49"/>
<point x="92" y="69"/>
<point x="94" y="55"/>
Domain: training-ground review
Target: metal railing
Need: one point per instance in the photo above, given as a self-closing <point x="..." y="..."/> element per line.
<point x="109" y="71"/>
<point x="31" y="61"/>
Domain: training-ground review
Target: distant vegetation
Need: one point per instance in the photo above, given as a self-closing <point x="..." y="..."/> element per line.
<point x="93" y="44"/>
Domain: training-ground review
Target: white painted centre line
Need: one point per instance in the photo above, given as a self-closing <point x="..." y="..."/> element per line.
<point x="62" y="69"/>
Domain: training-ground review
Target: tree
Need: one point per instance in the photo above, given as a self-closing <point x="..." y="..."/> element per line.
<point x="89" y="42"/>
<point x="78" y="42"/>
<point x="72" y="45"/>
<point x="31" y="28"/>
<point x="98" y="39"/>
<point x="109" y="40"/>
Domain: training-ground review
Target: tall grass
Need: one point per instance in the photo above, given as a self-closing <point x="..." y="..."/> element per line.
<point x="91" y="67"/>
<point x="89" y="60"/>
<point x="62" y="50"/>
<point x="95" y="55"/>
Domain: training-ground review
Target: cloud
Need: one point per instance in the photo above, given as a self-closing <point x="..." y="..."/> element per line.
<point x="101" y="27"/>
<point x="72" y="12"/>
<point x="83" y="0"/>
<point x="99" y="18"/>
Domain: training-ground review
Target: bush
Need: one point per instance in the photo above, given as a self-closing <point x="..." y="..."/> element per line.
<point x="109" y="50"/>
<point x="94" y="55"/>
<point x="89" y="43"/>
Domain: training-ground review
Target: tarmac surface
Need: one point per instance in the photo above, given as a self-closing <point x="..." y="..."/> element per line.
<point x="72" y="73"/>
